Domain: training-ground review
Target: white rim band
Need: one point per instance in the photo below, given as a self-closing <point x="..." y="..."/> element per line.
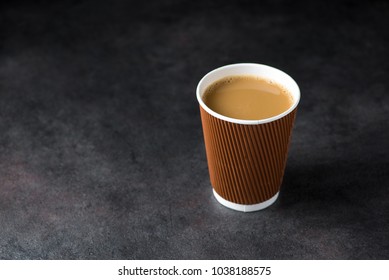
<point x="244" y="207"/>
<point x="248" y="69"/>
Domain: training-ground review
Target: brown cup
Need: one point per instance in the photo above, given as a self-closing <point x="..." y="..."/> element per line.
<point x="247" y="158"/>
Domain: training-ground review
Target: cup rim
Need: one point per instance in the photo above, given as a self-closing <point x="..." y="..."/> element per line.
<point x="296" y="92"/>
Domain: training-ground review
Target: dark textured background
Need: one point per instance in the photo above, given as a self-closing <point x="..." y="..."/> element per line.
<point x="101" y="149"/>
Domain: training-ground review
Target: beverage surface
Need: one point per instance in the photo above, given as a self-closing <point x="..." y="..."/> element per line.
<point x="247" y="97"/>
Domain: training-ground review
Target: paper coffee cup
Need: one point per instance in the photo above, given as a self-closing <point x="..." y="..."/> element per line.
<point x="247" y="158"/>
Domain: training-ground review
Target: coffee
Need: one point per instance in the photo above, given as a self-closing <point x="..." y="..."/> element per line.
<point x="247" y="97"/>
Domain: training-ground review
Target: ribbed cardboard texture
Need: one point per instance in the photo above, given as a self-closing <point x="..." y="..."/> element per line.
<point x="246" y="162"/>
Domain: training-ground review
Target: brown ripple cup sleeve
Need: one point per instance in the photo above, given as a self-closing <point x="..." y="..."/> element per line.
<point x="247" y="158"/>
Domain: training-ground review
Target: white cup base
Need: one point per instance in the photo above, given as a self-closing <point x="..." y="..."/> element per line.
<point x="244" y="207"/>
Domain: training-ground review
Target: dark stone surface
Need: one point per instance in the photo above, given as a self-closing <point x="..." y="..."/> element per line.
<point x="101" y="149"/>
